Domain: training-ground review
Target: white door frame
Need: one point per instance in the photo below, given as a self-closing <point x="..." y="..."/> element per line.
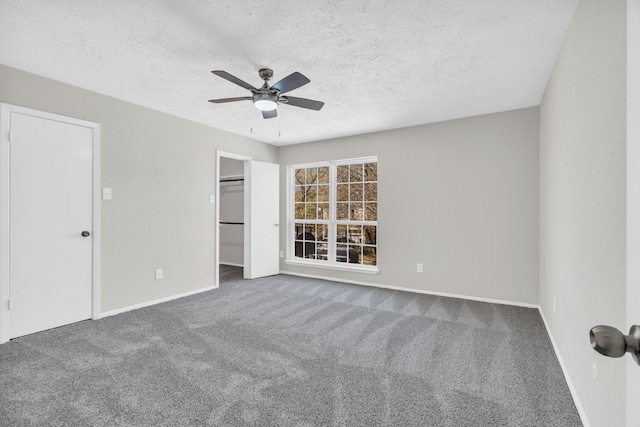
<point x="247" y="211"/>
<point x="633" y="202"/>
<point x="5" y="121"/>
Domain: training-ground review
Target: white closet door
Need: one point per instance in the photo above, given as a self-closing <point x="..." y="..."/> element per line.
<point x="264" y="197"/>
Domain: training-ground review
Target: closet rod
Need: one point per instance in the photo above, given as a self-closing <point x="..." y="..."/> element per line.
<point x="232" y="223"/>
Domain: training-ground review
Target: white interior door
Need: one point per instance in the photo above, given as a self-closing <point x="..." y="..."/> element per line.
<point x="50" y="206"/>
<point x="264" y="212"/>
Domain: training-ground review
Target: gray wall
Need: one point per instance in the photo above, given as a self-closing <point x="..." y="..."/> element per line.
<point x="162" y="170"/>
<point x="461" y="197"/>
<point x="582" y="201"/>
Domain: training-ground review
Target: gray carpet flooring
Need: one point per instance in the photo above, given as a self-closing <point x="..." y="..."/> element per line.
<point x="289" y="351"/>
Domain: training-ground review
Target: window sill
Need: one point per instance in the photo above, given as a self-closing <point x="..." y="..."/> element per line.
<point x="349" y="267"/>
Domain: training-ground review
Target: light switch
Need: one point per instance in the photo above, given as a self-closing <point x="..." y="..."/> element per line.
<point x="106" y="194"/>
<point x="212" y="199"/>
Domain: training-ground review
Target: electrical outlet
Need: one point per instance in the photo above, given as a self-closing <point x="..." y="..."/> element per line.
<point x="281" y="254"/>
<point x="594" y="371"/>
<point x="555" y="305"/>
<point x="419" y="268"/>
<point x="159" y="274"/>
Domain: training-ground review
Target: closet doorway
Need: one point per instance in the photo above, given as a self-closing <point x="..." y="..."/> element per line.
<point x="247" y="215"/>
<point x="231" y="225"/>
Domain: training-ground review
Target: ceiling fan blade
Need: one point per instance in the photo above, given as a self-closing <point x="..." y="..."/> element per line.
<point x="302" y="102"/>
<point x="223" y="100"/>
<point x="291" y="82"/>
<point x="270" y="114"/>
<point x="234" y="79"/>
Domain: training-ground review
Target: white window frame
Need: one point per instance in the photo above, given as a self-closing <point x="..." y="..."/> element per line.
<point x="330" y="263"/>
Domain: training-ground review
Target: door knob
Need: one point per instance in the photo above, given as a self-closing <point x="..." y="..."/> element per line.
<point x="86" y="234"/>
<point x="609" y="341"/>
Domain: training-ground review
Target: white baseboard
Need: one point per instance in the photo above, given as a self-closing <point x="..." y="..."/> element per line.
<point x="572" y="389"/>
<point x="232" y="264"/>
<point x="154" y="302"/>
<point x="417" y="291"/>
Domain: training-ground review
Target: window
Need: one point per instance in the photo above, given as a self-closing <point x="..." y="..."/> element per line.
<point x="333" y="214"/>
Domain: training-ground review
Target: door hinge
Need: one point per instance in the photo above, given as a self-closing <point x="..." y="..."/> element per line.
<point x="9" y="135"/>
<point x="9" y="304"/>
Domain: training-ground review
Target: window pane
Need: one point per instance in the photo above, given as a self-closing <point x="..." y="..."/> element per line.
<point x="310" y="232"/>
<point x="355" y="234"/>
<point x="322" y="232"/>
<point x="312" y="175"/>
<point x="370" y="234"/>
<point x="343" y="192"/>
<point x="341" y="253"/>
<point x="311" y="194"/>
<point x="299" y="176"/>
<point x="343" y="173"/>
<point x="323" y="211"/>
<point x="355" y="172"/>
<point x="312" y="212"/>
<point x="323" y="193"/>
<point x="356" y="212"/>
<point x="299" y="211"/>
<point x="322" y="251"/>
<point x="371" y="191"/>
<point x="355" y="254"/>
<point x="323" y="175"/>
<point x="369" y="255"/>
<point x="370" y="171"/>
<point x="341" y="233"/>
<point x="342" y="211"/>
<point x="299" y="193"/>
<point x="371" y="211"/>
<point x="356" y="193"/>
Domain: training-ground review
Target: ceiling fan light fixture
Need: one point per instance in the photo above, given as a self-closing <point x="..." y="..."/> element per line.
<point x="265" y="101"/>
<point x="265" y="104"/>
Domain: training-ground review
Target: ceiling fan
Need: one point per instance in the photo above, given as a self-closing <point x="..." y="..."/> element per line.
<point x="267" y="98"/>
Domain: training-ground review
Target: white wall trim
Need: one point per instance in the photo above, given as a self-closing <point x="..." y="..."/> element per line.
<point x="232" y="264"/>
<point x="96" y="229"/>
<point x="154" y="302"/>
<point x="5" y="120"/>
<point x="417" y="291"/>
<point x="572" y="389"/>
<point x="354" y="268"/>
<point x="4" y="223"/>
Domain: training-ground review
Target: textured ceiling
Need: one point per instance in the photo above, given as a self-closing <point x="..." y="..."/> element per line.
<point x="378" y="64"/>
